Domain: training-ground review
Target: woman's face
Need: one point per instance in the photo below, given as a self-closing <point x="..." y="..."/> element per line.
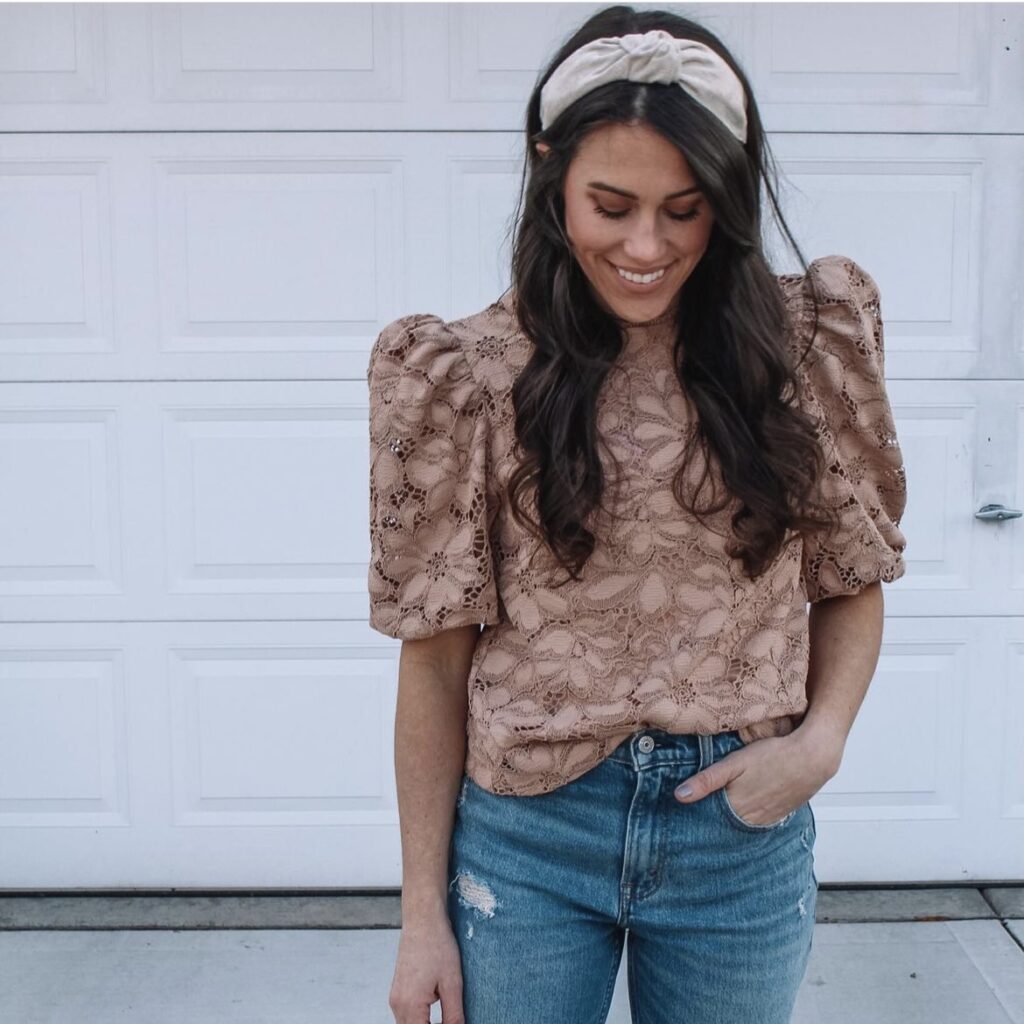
<point x="655" y="218"/>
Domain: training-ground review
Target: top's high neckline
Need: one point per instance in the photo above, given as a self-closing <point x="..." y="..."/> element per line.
<point x="668" y="317"/>
<point x="665" y="318"/>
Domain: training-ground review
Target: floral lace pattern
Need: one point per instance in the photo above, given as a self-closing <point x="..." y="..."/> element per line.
<point x="663" y="630"/>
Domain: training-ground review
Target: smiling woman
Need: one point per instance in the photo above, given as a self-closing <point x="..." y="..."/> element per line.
<point x="642" y="203"/>
<point x="637" y="241"/>
<point x="634" y="639"/>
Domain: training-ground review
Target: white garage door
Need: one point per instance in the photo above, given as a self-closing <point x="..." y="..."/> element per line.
<point x="209" y="211"/>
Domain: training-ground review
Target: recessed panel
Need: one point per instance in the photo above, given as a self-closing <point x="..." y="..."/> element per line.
<point x="52" y="53"/>
<point x="923" y="262"/>
<point x="1010" y="751"/>
<point x="480" y="193"/>
<point x="54" y="263"/>
<point x="941" y="538"/>
<point x="265" y="499"/>
<point x="902" y="760"/>
<point x="275" y="735"/>
<point x="60" y="527"/>
<point x="275" y="52"/>
<point x="277" y="254"/>
<point x="62" y="739"/>
<point x="1012" y="532"/>
<point x="870" y="53"/>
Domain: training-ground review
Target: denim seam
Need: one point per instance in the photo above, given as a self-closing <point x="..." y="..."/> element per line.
<point x="659" y="860"/>
<point x="626" y="888"/>
<point x="673" y="762"/>
<point x="655" y="874"/>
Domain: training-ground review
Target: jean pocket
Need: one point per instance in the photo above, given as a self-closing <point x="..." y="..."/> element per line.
<point x="748" y="826"/>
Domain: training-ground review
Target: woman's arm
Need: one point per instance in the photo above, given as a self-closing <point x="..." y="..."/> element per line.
<point x="845" y="639"/>
<point x="430" y="755"/>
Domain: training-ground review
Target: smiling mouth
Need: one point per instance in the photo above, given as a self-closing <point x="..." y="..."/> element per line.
<point x="648" y="278"/>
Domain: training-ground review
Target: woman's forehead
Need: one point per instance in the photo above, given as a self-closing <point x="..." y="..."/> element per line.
<point x="639" y="163"/>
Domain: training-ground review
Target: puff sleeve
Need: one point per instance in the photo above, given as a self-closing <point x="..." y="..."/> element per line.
<point x="843" y="377"/>
<point x="431" y="566"/>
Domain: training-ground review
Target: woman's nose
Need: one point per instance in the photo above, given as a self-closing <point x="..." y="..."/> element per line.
<point x="646" y="251"/>
<point x="645" y="245"/>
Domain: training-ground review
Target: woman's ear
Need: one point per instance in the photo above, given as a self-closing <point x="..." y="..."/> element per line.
<point x="543" y="148"/>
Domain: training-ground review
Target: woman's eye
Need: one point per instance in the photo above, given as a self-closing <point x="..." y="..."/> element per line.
<point x="618" y="214"/>
<point x="608" y="213"/>
<point x="689" y="215"/>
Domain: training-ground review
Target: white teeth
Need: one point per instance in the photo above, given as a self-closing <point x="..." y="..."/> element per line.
<point x="640" y="278"/>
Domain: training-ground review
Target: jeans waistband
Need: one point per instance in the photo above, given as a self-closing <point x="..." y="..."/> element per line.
<point x="652" y="747"/>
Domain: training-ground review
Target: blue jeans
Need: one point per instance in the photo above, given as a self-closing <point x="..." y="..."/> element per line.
<point x="719" y="911"/>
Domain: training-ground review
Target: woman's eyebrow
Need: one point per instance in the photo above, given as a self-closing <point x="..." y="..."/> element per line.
<point x="633" y="195"/>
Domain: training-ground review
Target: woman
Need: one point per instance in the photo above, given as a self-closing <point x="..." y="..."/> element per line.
<point x="632" y="740"/>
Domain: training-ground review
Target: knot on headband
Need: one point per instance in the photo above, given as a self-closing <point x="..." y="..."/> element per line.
<point x="657" y="57"/>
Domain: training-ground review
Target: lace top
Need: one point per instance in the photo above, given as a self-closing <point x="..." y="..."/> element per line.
<point x="663" y="630"/>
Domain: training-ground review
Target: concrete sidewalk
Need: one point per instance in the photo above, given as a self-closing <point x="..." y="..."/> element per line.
<point x="880" y="956"/>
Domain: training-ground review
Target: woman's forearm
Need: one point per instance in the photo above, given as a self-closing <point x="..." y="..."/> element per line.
<point x="845" y="640"/>
<point x="430" y="755"/>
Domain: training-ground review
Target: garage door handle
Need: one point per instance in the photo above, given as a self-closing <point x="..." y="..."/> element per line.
<point x="997" y="512"/>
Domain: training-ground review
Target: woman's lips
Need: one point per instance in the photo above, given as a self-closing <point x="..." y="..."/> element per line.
<point x="635" y="287"/>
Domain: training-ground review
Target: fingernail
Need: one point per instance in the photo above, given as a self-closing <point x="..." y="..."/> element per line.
<point x="683" y="791"/>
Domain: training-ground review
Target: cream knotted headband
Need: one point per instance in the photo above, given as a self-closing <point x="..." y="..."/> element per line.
<point x="654" y="56"/>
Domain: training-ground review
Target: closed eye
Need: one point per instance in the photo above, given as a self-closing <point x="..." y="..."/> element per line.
<point x="690" y="215"/>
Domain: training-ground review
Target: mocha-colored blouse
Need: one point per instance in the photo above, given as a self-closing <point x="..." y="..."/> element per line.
<point x="663" y="630"/>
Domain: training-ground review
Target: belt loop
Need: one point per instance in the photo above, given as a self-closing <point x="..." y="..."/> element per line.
<point x="705" y="744"/>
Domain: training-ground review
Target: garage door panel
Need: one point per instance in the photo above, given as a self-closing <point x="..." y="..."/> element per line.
<point x="927" y="216"/>
<point x="958" y="449"/>
<point x="238" y="257"/>
<point x="899" y="773"/>
<point x="285" y="734"/>
<point x="220" y="738"/>
<point x="63" y="737"/>
<point x="197" y="753"/>
<point x="1007" y="751"/>
<point x="190" y="500"/>
<point x="56" y="285"/>
<point x="62" y="521"/>
<point x="187" y="500"/>
<point x="930" y="784"/>
<point x="333" y="53"/>
<point x="54" y="54"/>
<point x="277" y="254"/>
<point x="871" y="56"/>
<point x="409" y="67"/>
<point x="199" y="257"/>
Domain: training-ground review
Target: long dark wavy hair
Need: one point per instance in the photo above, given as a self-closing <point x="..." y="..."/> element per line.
<point x="735" y="366"/>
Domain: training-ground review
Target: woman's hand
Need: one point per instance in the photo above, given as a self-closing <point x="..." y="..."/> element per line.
<point x="770" y="777"/>
<point x="428" y="968"/>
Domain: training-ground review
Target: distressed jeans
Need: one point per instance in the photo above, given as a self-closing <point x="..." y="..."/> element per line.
<point x="543" y="890"/>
